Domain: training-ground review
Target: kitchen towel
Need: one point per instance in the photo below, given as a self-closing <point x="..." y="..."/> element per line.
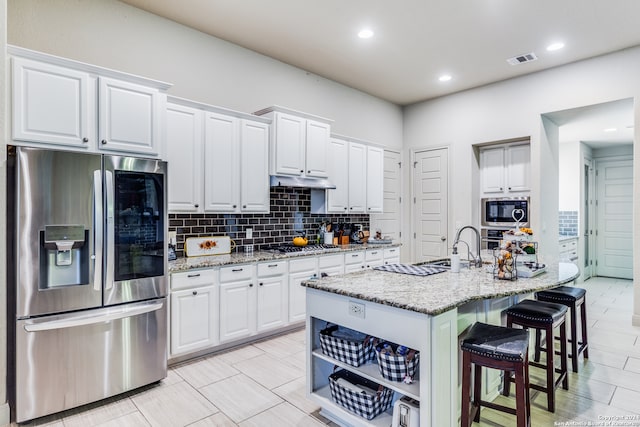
<point x="416" y="270"/>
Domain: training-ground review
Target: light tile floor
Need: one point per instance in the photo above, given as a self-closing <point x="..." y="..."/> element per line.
<point x="263" y="384"/>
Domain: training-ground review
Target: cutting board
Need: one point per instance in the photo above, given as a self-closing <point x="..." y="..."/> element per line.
<point x="211" y="245"/>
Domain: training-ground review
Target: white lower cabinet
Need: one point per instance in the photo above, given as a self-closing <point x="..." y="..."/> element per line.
<point x="237" y="302"/>
<point x="299" y="271"/>
<point x="272" y="310"/>
<point x="353" y="261"/>
<point x="331" y="265"/>
<point x="373" y="258"/>
<point x="391" y="255"/>
<point x="194" y="308"/>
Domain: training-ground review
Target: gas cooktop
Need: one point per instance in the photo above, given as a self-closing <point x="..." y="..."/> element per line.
<point x="289" y="247"/>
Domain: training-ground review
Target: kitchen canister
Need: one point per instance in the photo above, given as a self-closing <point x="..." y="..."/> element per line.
<point x="328" y="238"/>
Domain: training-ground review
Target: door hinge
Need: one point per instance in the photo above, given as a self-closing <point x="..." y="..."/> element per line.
<point x="399" y="199"/>
<point x="414" y="235"/>
<point x="596" y="232"/>
<point x="415" y="164"/>
<point x="596" y="263"/>
<point x="414" y="200"/>
<point x="596" y="172"/>
<point x="596" y="202"/>
<point x="399" y="165"/>
<point x="400" y="234"/>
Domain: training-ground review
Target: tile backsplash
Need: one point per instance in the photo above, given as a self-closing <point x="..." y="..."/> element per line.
<point x="290" y="213"/>
<point x="568" y="223"/>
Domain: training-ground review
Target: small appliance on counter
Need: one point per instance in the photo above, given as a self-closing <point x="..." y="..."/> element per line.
<point x="406" y="413"/>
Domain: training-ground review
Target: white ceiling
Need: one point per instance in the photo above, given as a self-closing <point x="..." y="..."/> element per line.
<point x="415" y="41"/>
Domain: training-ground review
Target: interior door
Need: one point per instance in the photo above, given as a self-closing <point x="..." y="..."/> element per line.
<point x="614" y="182"/>
<point x="430" y="203"/>
<point x="388" y="222"/>
<point x="587" y="222"/>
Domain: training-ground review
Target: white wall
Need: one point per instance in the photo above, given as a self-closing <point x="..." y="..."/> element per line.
<point x="203" y="68"/>
<point x="513" y="109"/>
<point x="569" y="176"/>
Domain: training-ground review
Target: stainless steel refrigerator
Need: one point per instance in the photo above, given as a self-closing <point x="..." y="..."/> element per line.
<point x="87" y="277"/>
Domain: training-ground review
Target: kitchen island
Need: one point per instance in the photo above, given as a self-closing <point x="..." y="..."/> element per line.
<point x="423" y="313"/>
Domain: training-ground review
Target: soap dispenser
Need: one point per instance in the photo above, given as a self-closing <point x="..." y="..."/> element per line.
<point x="455" y="261"/>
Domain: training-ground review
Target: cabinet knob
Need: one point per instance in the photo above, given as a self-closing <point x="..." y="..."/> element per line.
<point x="301" y="171"/>
<point x="195" y="292"/>
<point x="500" y="188"/>
<point x="509" y="188"/>
<point x="104" y="141"/>
<point x="196" y="205"/>
<point x="308" y="171"/>
<point x="345" y="208"/>
<point x="261" y="283"/>
<point x="85" y="139"/>
<point x="244" y="206"/>
<point x="234" y="206"/>
<point x="251" y="285"/>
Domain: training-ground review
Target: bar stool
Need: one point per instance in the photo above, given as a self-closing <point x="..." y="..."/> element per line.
<point x="501" y="348"/>
<point x="573" y="298"/>
<point x="544" y="316"/>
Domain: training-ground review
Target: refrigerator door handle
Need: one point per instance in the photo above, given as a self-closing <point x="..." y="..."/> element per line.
<point x="109" y="258"/>
<point x="98" y="228"/>
<point x="90" y="319"/>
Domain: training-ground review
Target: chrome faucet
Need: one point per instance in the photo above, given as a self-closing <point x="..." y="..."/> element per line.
<point x="476" y="258"/>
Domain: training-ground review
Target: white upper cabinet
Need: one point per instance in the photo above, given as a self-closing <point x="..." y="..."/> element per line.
<point x="299" y="143"/>
<point x="129" y="117"/>
<point x="184" y="150"/>
<point x="221" y="157"/>
<point x="375" y="179"/>
<point x="357" y="177"/>
<point x="78" y="106"/>
<point x="505" y="169"/>
<point x="52" y="104"/>
<point x="338" y="168"/>
<point x="254" y="166"/>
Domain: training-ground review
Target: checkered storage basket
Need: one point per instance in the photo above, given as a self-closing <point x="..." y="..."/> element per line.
<point x="394" y="366"/>
<point x="367" y="398"/>
<point x="346" y="345"/>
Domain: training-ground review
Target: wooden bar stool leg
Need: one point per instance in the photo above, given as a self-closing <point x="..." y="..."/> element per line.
<point x="583" y="321"/>
<point x="551" y="402"/>
<point x="477" y="391"/>
<point x="521" y="400"/>
<point x="527" y="385"/>
<point x="563" y="356"/>
<point x="466" y="389"/>
<point x="574" y="339"/>
<point x="536" y="354"/>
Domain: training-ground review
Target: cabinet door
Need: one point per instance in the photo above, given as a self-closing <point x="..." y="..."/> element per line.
<point x="52" y="105"/>
<point x="129" y="117"/>
<point x="391" y="256"/>
<point x="297" y="295"/>
<point x="237" y="310"/>
<point x="289" y="144"/>
<point x="221" y="159"/>
<point x="272" y="303"/>
<point x="492" y="170"/>
<point x="518" y="168"/>
<point x="375" y="179"/>
<point x="254" y="166"/>
<point x="185" y="154"/>
<point x="338" y="168"/>
<point x="317" y="141"/>
<point x="357" y="177"/>
<point x="193" y="319"/>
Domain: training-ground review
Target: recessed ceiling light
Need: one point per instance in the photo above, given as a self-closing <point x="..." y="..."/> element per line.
<point x="610" y="129"/>
<point x="555" y="46"/>
<point x="444" y="78"/>
<point x="365" y="33"/>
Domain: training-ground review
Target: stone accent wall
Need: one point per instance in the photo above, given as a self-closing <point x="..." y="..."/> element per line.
<point x="290" y="213"/>
<point x="568" y="223"/>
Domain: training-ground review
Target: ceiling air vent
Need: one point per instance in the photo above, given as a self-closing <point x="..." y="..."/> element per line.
<point x="521" y="59"/>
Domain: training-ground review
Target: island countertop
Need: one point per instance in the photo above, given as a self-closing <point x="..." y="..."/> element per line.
<point x="440" y="292"/>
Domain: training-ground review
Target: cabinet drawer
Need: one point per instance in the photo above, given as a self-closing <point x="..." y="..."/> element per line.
<point x="305" y="264"/>
<point x="391" y="252"/>
<point x="373" y="255"/>
<point x="354" y="257"/>
<point x="272" y="268"/>
<point x="193" y="278"/>
<point x="236" y="272"/>
<point x="329" y="261"/>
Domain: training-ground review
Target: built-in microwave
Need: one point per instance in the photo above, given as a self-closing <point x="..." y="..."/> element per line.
<point x="499" y="212"/>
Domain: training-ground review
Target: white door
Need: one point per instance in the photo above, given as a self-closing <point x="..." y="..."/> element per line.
<point x="53" y="105"/>
<point x="614" y="183"/>
<point x="430" y="197"/>
<point x="254" y="166"/>
<point x="129" y="117"/>
<point x="587" y="220"/>
<point x="375" y="179"/>
<point x="389" y="221"/>
<point x="221" y="154"/>
<point x="185" y="154"/>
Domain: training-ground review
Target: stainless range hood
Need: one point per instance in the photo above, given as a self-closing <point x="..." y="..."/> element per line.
<point x="300" y="182"/>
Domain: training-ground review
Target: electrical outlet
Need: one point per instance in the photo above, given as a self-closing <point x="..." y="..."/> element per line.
<point x="249" y="232"/>
<point x="356" y="309"/>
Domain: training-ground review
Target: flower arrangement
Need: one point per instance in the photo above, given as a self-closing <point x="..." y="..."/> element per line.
<point x="208" y="244"/>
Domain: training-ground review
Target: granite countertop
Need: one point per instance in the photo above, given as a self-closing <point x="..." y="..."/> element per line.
<point x="440" y="292"/>
<point x="185" y="264"/>
<point x="563" y="238"/>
